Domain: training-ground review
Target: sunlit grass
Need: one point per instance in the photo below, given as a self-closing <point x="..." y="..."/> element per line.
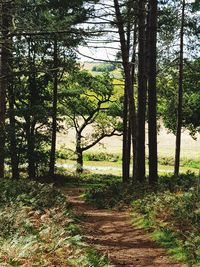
<point x="115" y="168"/>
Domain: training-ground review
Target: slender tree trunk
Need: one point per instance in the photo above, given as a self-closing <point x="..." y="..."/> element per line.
<point x="126" y="142"/>
<point x="31" y="155"/>
<point x="152" y="94"/>
<point x="180" y="95"/>
<point x="54" y="112"/>
<point x="11" y="108"/>
<point x="127" y="115"/>
<point x="12" y="134"/>
<point x="79" y="154"/>
<point x="141" y="94"/>
<point x="4" y="66"/>
<point x="134" y="119"/>
<point x="30" y="119"/>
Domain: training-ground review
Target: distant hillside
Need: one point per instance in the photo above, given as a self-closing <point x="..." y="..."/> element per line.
<point x="88" y="65"/>
<point x="99" y="67"/>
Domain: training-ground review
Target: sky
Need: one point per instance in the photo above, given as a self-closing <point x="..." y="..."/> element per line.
<point x="89" y="53"/>
<point x="96" y="53"/>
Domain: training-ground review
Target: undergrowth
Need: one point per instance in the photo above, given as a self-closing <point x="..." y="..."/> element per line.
<point x="37" y="228"/>
<point x="174" y="219"/>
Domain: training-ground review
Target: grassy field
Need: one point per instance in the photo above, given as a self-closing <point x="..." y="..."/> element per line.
<point x="190" y="153"/>
<point x="190" y="148"/>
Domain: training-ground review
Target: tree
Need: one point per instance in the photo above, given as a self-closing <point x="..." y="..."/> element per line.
<point x="152" y="94"/>
<point x="180" y="94"/>
<point x="127" y="92"/>
<point x="54" y="110"/>
<point x="86" y="101"/>
<point x="168" y="96"/>
<point x="142" y="88"/>
<point x="5" y="19"/>
<point x="176" y="17"/>
<point x="34" y="28"/>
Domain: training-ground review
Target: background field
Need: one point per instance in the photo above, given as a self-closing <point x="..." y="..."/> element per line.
<point x="190" y="148"/>
<point x="190" y="153"/>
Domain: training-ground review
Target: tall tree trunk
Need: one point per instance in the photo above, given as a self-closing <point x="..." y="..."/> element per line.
<point x="31" y="152"/>
<point x="54" y="111"/>
<point x="152" y="94"/>
<point x="4" y="67"/>
<point x="180" y="95"/>
<point x="11" y="108"/>
<point x="141" y="94"/>
<point x="12" y="134"/>
<point x="30" y="117"/>
<point x="79" y="154"/>
<point x="127" y="95"/>
<point x="134" y="119"/>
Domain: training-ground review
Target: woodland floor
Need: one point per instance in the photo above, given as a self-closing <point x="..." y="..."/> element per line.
<point x="112" y="233"/>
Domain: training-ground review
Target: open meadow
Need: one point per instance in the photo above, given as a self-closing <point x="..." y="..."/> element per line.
<point x="190" y="151"/>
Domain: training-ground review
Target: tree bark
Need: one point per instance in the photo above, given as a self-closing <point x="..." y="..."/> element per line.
<point x="180" y="95"/>
<point x="30" y="120"/>
<point x="4" y="67"/>
<point x="79" y="154"/>
<point x="141" y="94"/>
<point x="12" y="134"/>
<point x="128" y="112"/>
<point x="133" y="107"/>
<point x="54" y="112"/>
<point x="152" y="93"/>
<point x="31" y="153"/>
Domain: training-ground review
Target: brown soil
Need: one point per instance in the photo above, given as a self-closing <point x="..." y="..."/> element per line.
<point x="112" y="233"/>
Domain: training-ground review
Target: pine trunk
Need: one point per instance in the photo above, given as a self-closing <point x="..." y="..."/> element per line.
<point x="132" y="105"/>
<point x="141" y="94"/>
<point x="152" y="94"/>
<point x="128" y="95"/>
<point x="30" y="152"/>
<point x="54" y="112"/>
<point x="180" y="96"/>
<point x="4" y="67"/>
<point x="12" y="134"/>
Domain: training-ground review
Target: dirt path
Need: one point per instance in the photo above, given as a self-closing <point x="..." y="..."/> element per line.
<point x="111" y="233"/>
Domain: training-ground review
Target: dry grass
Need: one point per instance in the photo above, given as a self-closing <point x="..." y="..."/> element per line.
<point x="190" y="148"/>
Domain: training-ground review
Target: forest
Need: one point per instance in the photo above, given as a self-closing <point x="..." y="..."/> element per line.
<point x="99" y="133"/>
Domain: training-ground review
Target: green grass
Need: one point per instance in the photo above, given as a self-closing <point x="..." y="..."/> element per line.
<point x="166" y="238"/>
<point x="107" y="159"/>
<point x="173" y="218"/>
<point x="162" y="236"/>
<point x="110" y="167"/>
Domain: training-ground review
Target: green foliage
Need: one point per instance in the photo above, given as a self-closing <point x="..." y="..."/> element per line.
<point x="65" y="153"/>
<point x="184" y="162"/>
<point x="168" y="85"/>
<point x="37" y="228"/>
<point x="176" y="218"/>
<point x="104" y="68"/>
<point x="176" y="183"/>
<point x="110" y="192"/>
<point x="29" y="193"/>
<point x="101" y="156"/>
